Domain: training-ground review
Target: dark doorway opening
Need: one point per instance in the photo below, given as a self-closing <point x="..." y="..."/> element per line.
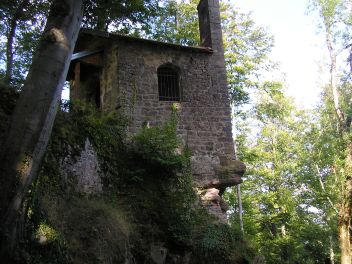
<point x="90" y="83"/>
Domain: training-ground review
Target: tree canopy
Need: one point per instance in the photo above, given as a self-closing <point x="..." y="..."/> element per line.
<point x="23" y="22"/>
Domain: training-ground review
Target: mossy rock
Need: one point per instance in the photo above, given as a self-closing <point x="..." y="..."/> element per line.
<point x="93" y="231"/>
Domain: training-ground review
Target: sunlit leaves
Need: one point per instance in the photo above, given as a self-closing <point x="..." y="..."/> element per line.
<point x="247" y="46"/>
<point x="284" y="204"/>
<point x="177" y="23"/>
<point x="122" y="16"/>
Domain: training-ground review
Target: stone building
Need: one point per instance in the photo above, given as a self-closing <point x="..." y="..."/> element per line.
<point x="145" y="78"/>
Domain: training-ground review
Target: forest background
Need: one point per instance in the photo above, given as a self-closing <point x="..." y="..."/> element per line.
<point x="297" y="192"/>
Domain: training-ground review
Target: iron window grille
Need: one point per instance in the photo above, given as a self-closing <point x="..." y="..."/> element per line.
<point x="168" y="84"/>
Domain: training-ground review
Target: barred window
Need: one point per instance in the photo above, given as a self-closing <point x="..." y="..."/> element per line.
<point x="168" y="84"/>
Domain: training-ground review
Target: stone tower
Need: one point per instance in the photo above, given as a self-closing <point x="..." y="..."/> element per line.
<point x="210" y="27"/>
<point x="229" y="171"/>
<point x="211" y="37"/>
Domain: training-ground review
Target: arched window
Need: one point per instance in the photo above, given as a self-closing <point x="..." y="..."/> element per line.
<point x="168" y="83"/>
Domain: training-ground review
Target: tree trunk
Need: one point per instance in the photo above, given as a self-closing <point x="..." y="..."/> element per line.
<point x="331" y="251"/>
<point x="10" y="39"/>
<point x="344" y="234"/>
<point x="344" y="220"/>
<point x="333" y="82"/>
<point x="240" y="211"/>
<point x="34" y="116"/>
<point x="9" y="52"/>
<point x="345" y="213"/>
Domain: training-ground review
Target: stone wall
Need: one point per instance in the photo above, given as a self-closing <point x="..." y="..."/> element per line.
<point x="204" y="111"/>
<point x="129" y="83"/>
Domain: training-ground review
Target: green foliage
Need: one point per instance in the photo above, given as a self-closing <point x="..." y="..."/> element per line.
<point x="296" y="162"/>
<point x="148" y="198"/>
<point x="329" y="10"/>
<point x="46" y="231"/>
<point x="81" y="230"/>
<point x="124" y="16"/>
<point x="284" y="205"/>
<point x="55" y="249"/>
<point x="106" y="131"/>
<point x="334" y="168"/>
<point x="178" y="23"/>
<point x="102" y="236"/>
<point x="246" y="45"/>
<point x="28" y="19"/>
<point x="273" y="106"/>
<point x="158" y="145"/>
<point x="219" y="243"/>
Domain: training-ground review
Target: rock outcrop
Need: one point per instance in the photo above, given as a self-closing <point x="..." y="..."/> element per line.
<point x="85" y="169"/>
<point x="228" y="174"/>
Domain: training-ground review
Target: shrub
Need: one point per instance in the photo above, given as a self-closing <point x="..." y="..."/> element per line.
<point x="148" y="198"/>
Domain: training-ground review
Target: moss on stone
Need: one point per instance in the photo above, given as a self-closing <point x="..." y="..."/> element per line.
<point x="148" y="199"/>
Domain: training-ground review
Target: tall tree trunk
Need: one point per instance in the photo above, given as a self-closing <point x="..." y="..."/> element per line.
<point x="333" y="82"/>
<point x="34" y="116"/>
<point x="10" y="40"/>
<point x="345" y="212"/>
<point x="344" y="221"/>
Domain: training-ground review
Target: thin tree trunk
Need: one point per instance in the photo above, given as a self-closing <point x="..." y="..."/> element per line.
<point x="331" y="251"/>
<point x="9" y="52"/>
<point x="239" y="198"/>
<point x="320" y="177"/>
<point x="333" y="82"/>
<point x="34" y="116"/>
<point x="10" y="40"/>
<point x="283" y="230"/>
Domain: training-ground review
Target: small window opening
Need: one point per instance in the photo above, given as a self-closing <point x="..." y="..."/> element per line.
<point x="168" y="84"/>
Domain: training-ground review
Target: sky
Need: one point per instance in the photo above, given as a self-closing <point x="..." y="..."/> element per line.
<point x="298" y="47"/>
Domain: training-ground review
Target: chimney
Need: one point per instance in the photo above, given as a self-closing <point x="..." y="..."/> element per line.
<point x="210" y="25"/>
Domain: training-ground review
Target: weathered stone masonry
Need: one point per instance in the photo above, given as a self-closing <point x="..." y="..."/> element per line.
<point x="119" y="73"/>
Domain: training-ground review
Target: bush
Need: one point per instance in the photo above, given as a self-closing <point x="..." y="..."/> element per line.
<point x="147" y="178"/>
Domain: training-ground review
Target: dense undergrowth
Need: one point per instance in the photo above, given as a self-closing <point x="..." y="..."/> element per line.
<point x="147" y="200"/>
